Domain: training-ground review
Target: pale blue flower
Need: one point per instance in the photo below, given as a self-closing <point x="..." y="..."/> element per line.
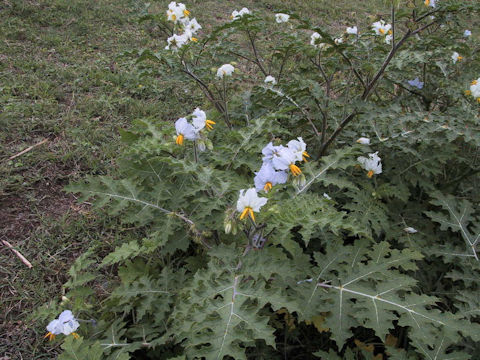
<point x="268" y="177"/>
<point x="416" y="83"/>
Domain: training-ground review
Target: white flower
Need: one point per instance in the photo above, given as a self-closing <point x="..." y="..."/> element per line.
<point x="381" y="28"/>
<point x="238" y="14"/>
<point x="225" y="70"/>
<point x="410" y="230"/>
<point x="270" y="80"/>
<point x="456" y="57"/>
<point x="185" y="130"/>
<point x="416" y="83"/>
<point x="372" y="164"/>
<point x="193" y="26"/>
<point x="176" y="41"/>
<point x="352" y="30"/>
<point x="286" y="160"/>
<point x="314" y="39"/>
<point x="363" y="141"/>
<point x="326" y="196"/>
<point x="298" y="147"/>
<point x="270" y="152"/>
<point x="200" y="121"/>
<point x="467" y="33"/>
<point x="388" y="39"/>
<point x="430" y="3"/>
<point x="249" y="202"/>
<point x="281" y="18"/>
<point x="268" y="177"/>
<point x="65" y="324"/>
<point x="338" y="41"/>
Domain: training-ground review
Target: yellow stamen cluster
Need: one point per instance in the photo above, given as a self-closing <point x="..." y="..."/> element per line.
<point x="427" y="2"/>
<point x="468" y="92"/>
<point x="268" y="186"/>
<point x="370" y="174"/>
<point x="295" y="170"/>
<point x="186" y="13"/>
<point x="459" y="57"/>
<point x="194" y="39"/>
<point x="50" y="336"/>
<point x="474" y="82"/>
<point x="247" y="211"/>
<point x="381" y="31"/>
<point x="209" y="123"/>
<point x="305" y="156"/>
<point x="75" y="335"/>
<point x="179" y="140"/>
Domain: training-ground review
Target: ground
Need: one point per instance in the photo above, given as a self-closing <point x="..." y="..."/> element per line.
<point x="64" y="85"/>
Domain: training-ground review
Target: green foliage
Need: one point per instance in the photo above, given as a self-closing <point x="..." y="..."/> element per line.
<point x="332" y="246"/>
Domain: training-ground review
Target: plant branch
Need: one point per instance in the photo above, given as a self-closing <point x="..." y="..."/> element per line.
<point x="255" y="53"/>
<point x="387" y="60"/>
<point x="337" y="131"/>
<point x="405" y="88"/>
<point x="208" y="93"/>
<point x="355" y="72"/>
<point x="328" y="81"/>
<point x="278" y="92"/>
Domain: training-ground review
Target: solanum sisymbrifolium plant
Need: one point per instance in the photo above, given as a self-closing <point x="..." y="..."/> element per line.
<point x="317" y="196"/>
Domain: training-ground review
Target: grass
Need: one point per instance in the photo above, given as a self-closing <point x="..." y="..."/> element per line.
<point x="62" y="80"/>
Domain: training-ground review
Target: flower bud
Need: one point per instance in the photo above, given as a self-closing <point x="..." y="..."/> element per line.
<point x="201" y="146"/>
<point x="228" y="227"/>
<point x="209" y="144"/>
<point x="300" y="180"/>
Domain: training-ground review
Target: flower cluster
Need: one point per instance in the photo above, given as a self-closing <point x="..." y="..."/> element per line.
<point x="191" y="131"/>
<point x="474" y="89"/>
<point x="180" y="16"/>
<point x="277" y="161"/>
<point x="372" y="164"/>
<point x="381" y="28"/>
<point x="66" y="324"/>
